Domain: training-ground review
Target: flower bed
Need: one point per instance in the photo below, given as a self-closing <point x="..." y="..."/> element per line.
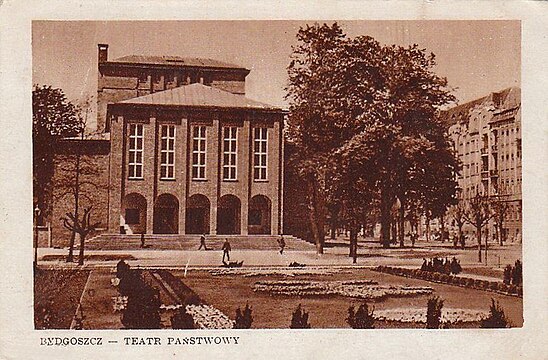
<point x="360" y="289"/>
<point x="498" y="287"/>
<point x="208" y="317"/>
<point x="277" y="271"/>
<point x="410" y="315"/>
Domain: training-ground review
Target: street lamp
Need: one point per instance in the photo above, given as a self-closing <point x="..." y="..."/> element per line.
<point x="36" y="214"/>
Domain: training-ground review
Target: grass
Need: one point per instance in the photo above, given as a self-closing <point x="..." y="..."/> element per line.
<point x="56" y="297"/>
<point x="274" y="311"/>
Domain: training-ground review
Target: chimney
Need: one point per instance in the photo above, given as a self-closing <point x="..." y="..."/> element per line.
<point x="103" y="53"/>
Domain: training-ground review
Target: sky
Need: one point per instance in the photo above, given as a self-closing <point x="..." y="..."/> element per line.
<point x="477" y="57"/>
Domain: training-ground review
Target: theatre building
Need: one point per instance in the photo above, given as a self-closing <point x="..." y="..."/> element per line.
<point x="188" y="152"/>
<point x="190" y="157"/>
<point x="193" y="160"/>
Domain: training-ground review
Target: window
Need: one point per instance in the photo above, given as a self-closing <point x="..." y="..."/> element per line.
<point x="167" y="152"/>
<point x="199" y="153"/>
<point x="260" y="137"/>
<point x="229" y="153"/>
<point x="136" y="151"/>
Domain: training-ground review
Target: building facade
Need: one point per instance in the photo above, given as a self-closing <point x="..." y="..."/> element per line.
<point x="190" y="154"/>
<point x="187" y="152"/>
<point x="486" y="134"/>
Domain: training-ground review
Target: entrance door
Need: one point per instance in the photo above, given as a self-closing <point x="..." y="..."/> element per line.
<point x="228" y="215"/>
<point x="166" y="215"/>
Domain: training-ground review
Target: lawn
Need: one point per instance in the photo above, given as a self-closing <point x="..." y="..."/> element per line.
<point x="56" y="297"/>
<point x="274" y="311"/>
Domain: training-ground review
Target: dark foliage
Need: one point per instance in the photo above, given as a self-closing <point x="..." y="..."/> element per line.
<point x="182" y="320"/>
<point x="143" y="305"/>
<point x="362" y="318"/>
<point x="433" y="313"/>
<point x="243" y="319"/>
<point x="496" y="318"/>
<point x="299" y="320"/>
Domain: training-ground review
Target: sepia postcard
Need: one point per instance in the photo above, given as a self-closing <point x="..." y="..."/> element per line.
<point x="332" y="180"/>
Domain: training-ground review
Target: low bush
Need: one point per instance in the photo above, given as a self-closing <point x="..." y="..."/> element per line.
<point x="182" y="320"/>
<point x="243" y="318"/>
<point x="433" y="313"/>
<point x="362" y="318"/>
<point x="299" y="319"/>
<point x="496" y="318"/>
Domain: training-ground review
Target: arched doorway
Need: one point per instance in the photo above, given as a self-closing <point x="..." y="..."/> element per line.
<point x="197" y="215"/>
<point x="166" y="215"/>
<point x="228" y="215"/>
<point x="134" y="214"/>
<point x="259" y="215"/>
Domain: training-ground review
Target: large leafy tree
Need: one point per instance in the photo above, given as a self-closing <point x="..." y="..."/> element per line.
<point x="53" y="117"/>
<point x="378" y="104"/>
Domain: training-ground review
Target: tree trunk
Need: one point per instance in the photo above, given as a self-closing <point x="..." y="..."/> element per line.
<point x="70" y="256"/>
<point x="427" y="228"/>
<point x="401" y="220"/>
<point x="394" y="229"/>
<point x="442" y="221"/>
<point x="478" y="235"/>
<point x="81" y="253"/>
<point x="316" y="214"/>
<point x="385" y="219"/>
<point x="76" y="206"/>
<point x="353" y="243"/>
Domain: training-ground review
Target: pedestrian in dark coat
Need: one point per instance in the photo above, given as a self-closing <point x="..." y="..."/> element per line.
<point x="226" y="250"/>
<point x="202" y="242"/>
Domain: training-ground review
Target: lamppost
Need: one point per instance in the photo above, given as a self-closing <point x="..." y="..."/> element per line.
<point x="36" y="214"/>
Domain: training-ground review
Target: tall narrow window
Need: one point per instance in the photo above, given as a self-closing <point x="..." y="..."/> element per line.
<point x="135" y="151"/>
<point x="229" y="153"/>
<point x="260" y="138"/>
<point x="167" y="152"/>
<point x="199" y="153"/>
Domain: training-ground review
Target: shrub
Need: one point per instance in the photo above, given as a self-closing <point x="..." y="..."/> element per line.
<point x="143" y="308"/>
<point x="361" y="319"/>
<point x="493" y="286"/>
<point x="517" y="273"/>
<point x="182" y="320"/>
<point x="520" y="290"/>
<point x="444" y="278"/>
<point x="496" y="318"/>
<point x="512" y="289"/>
<point x="433" y="313"/>
<point x="243" y="319"/>
<point x="122" y="268"/>
<point x="507" y="274"/>
<point x="436" y="276"/>
<point x="470" y="283"/>
<point x="299" y="320"/>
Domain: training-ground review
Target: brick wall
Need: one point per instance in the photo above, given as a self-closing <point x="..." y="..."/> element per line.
<point x="93" y="188"/>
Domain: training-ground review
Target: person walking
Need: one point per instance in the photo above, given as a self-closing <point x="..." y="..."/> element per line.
<point x="142" y="240"/>
<point x="226" y="250"/>
<point x="281" y="243"/>
<point x="202" y="242"/>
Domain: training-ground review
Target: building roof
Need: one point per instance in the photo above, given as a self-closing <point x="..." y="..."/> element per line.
<point x="199" y="95"/>
<point x="504" y="99"/>
<point x="175" y="61"/>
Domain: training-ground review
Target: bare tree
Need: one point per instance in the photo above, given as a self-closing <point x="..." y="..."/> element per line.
<point x="500" y="209"/>
<point x="83" y="227"/>
<point x="478" y="214"/>
<point x="457" y="212"/>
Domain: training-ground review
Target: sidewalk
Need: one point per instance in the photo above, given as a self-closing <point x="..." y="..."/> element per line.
<point x="336" y="256"/>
